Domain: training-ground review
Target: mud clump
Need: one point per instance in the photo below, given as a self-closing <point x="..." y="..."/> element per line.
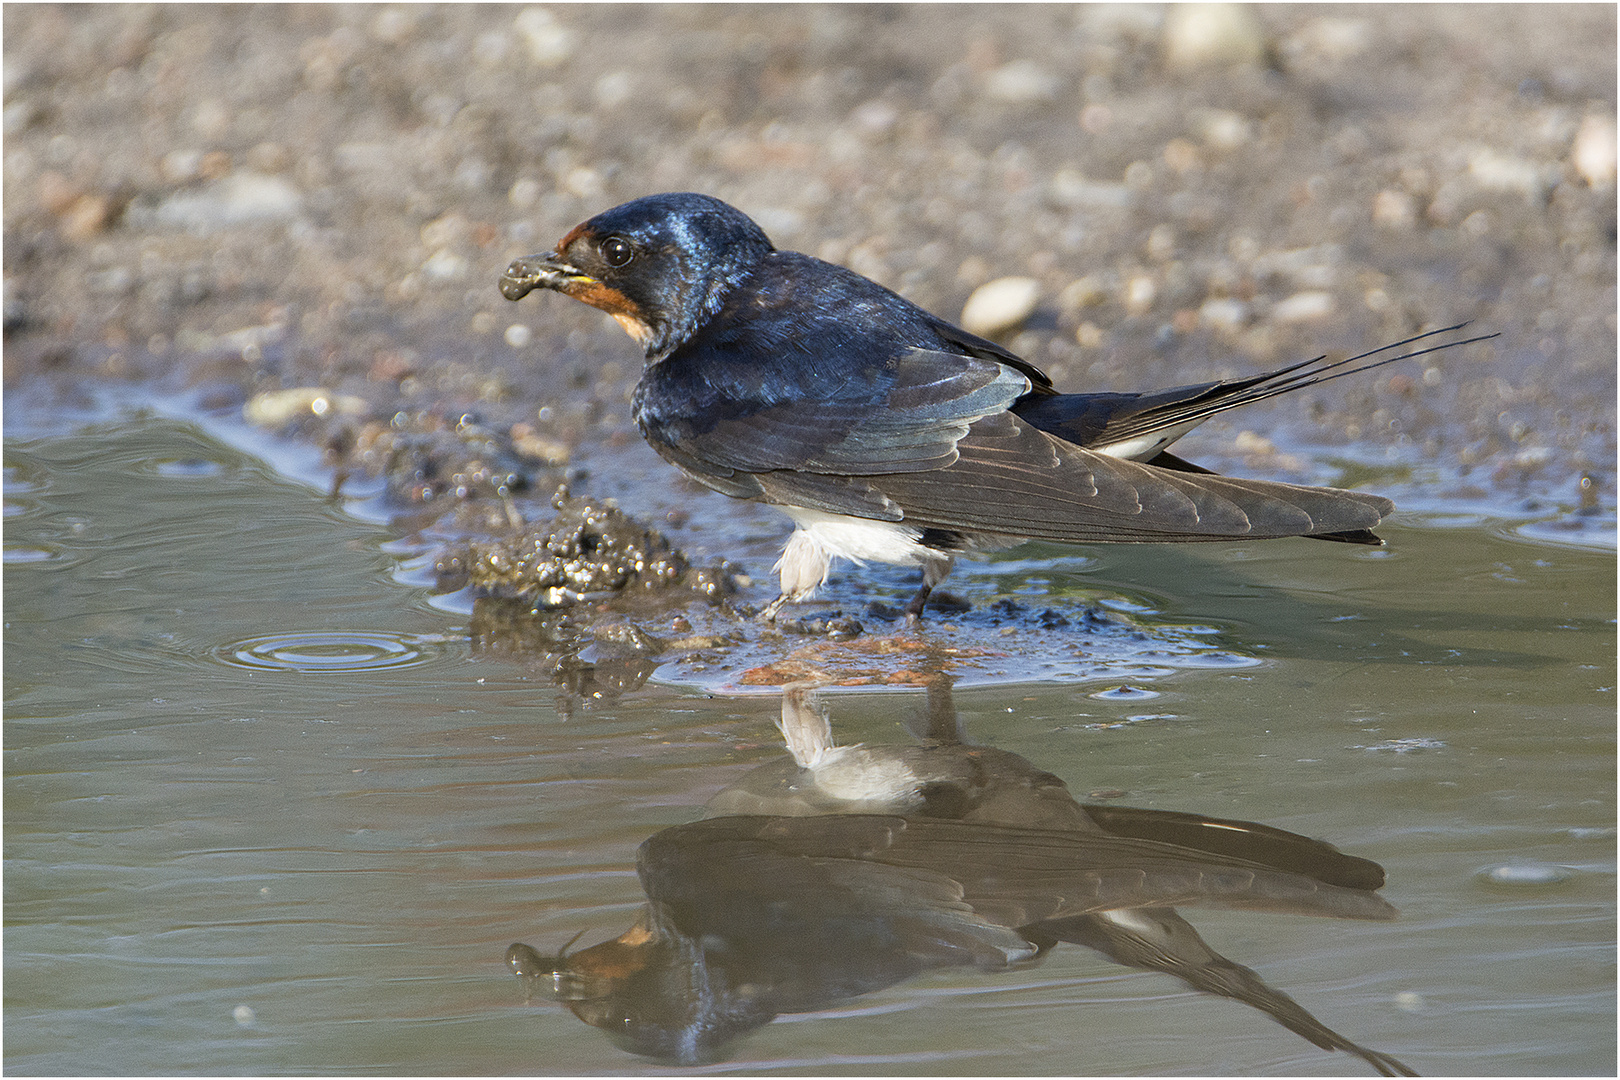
<point x="590" y="551"/>
<point x="575" y="595"/>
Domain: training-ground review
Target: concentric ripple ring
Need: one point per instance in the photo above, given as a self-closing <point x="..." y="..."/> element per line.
<point x="331" y="652"/>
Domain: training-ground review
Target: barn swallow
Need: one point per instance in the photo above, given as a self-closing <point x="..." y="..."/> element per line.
<point x="889" y="435"/>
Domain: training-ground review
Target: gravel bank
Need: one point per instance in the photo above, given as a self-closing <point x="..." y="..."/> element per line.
<point x="257" y="199"/>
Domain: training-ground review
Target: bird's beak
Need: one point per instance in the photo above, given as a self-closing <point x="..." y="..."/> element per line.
<point x="547" y="271"/>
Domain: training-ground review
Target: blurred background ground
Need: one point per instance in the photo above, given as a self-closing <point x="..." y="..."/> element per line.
<point x="248" y="199"/>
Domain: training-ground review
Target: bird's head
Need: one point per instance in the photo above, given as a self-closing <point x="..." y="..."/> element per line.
<point x="660" y="265"/>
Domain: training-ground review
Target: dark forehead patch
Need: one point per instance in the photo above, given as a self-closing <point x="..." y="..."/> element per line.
<point x="583" y="229"/>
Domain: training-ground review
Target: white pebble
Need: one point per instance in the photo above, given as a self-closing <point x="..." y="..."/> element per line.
<point x="524" y="193"/>
<point x="1000" y="305"/>
<point x="1021" y="81"/>
<point x="393" y="25"/>
<point x="1225" y="130"/>
<point x="584" y="182"/>
<point x="1250" y="443"/>
<point x="1330" y="40"/>
<point x="243" y="1015"/>
<point x="179" y="166"/>
<point x="238" y="199"/>
<point x="275" y="407"/>
<point x="517" y="335"/>
<point x="1594" y="151"/>
<point x="548" y="43"/>
<point x="1140" y="292"/>
<point x="1500" y="172"/>
<point x="1197" y="34"/>
<point x="445" y="266"/>
<point x="1304" y="307"/>
<point x="1525" y="874"/>
<point x="1224" y="313"/>
<point x="1083" y="292"/>
<point x="614" y="89"/>
<point x="1394" y="209"/>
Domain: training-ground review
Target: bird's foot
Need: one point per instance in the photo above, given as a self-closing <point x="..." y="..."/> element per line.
<point x="914" y="610"/>
<point x="771" y="609"/>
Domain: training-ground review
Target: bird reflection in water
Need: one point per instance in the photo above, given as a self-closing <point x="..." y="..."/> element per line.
<point x="848" y="869"/>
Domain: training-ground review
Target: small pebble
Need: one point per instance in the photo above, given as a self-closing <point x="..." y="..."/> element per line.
<point x="1304" y="307"/>
<point x="182" y="165"/>
<point x="238" y="199"/>
<point x="1000" y="305"/>
<point x="1501" y="172"/>
<point x="1226" y="130"/>
<point x="547" y="42"/>
<point x="275" y="407"/>
<point x="1196" y="35"/>
<point x="445" y="265"/>
<point x="1593" y="154"/>
<point x="1140" y="292"/>
<point x="1331" y="40"/>
<point x="1519" y="874"/>
<point x="1083" y="292"/>
<point x="1394" y="210"/>
<point x="1021" y="81"/>
<point x="1224" y="313"/>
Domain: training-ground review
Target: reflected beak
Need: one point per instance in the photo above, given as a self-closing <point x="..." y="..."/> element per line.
<point x="531" y="272"/>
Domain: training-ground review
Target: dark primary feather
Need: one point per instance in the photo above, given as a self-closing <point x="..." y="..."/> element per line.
<point x="1093" y="420"/>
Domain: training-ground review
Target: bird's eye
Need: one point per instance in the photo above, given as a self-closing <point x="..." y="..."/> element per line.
<point x="616" y="250"/>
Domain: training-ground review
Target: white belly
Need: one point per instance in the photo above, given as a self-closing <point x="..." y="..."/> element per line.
<point x="821" y="537"/>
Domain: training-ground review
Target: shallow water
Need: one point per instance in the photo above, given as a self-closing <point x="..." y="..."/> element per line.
<point x="267" y="811"/>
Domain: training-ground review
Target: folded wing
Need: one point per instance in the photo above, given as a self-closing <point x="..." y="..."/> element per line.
<point x="928" y="440"/>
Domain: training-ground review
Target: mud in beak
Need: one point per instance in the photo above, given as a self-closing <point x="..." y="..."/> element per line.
<point x="538" y="272"/>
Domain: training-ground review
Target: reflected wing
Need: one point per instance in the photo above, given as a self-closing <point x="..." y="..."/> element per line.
<point x="1005" y="877"/>
<point x="1276" y="848"/>
<point x="1022" y="876"/>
